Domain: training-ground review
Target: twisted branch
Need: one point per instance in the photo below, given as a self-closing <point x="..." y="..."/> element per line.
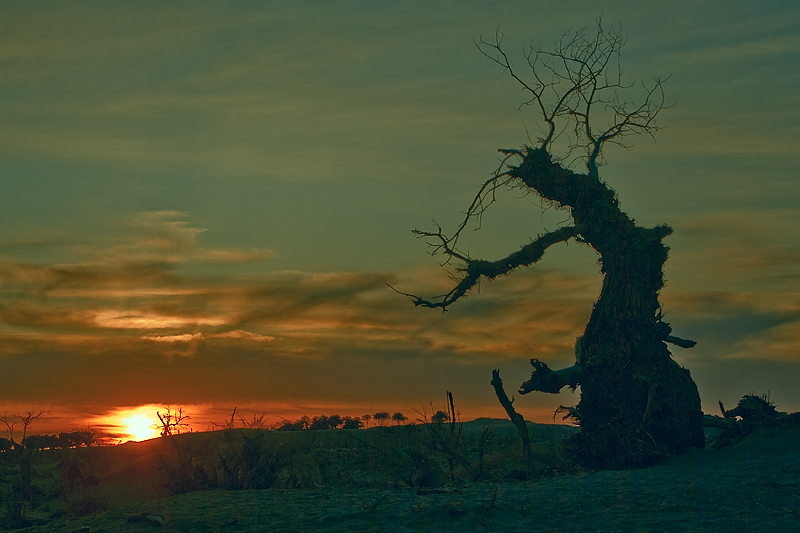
<point x="476" y="269"/>
<point x="485" y="197"/>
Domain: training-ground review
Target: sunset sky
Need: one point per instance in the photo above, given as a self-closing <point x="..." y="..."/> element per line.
<point x="202" y="203"/>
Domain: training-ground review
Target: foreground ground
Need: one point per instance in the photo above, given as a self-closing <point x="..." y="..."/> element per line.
<point x="753" y="485"/>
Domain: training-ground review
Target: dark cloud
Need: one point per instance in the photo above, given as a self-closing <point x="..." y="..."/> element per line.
<point x="748" y="325"/>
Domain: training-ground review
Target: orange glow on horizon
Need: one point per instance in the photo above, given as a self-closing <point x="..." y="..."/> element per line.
<point x="119" y="425"/>
<point x="130" y="424"/>
<point x="140" y="427"/>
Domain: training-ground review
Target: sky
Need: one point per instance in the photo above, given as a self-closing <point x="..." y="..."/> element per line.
<point x="203" y="202"/>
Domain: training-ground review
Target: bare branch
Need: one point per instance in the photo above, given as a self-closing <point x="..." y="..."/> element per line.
<point x="476" y="269"/>
<point x="12" y="421"/>
<point x="172" y="422"/>
<point x="485" y="197"/>
<point x="577" y="85"/>
<point x="574" y="86"/>
<point x="678" y="341"/>
<point x="543" y="379"/>
<point x="516" y="418"/>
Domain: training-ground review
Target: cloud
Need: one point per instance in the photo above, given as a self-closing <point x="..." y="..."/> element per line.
<point x="157" y="242"/>
<point x="134" y="290"/>
<point x="186" y="337"/>
<point x="244" y="335"/>
<point x="124" y="319"/>
<point x="168" y="237"/>
<point x="113" y="329"/>
<point x="737" y="324"/>
<point x="754" y="248"/>
<point x="735" y="290"/>
<point x="130" y="305"/>
<point x="128" y="314"/>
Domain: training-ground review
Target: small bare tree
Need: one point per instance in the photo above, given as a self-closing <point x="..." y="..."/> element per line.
<point x="172" y="422"/>
<point x="637" y="403"/>
<point x="17" y="425"/>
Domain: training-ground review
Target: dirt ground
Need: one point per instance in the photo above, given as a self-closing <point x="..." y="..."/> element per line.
<point x="754" y="485"/>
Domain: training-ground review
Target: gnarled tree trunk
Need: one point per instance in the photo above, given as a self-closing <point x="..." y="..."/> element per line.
<point x="636" y="401"/>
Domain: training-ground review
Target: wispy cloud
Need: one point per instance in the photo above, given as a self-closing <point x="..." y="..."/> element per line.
<point x="755" y="248"/>
<point x="736" y="289"/>
<point x="128" y="307"/>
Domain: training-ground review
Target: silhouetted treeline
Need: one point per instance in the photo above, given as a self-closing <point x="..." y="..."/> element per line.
<point x="340" y="422"/>
<point x="64" y="440"/>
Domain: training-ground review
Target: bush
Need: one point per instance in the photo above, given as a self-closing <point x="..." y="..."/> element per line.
<point x="236" y="459"/>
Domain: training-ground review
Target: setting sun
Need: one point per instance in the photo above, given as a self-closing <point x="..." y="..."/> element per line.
<point x="140" y="427"/>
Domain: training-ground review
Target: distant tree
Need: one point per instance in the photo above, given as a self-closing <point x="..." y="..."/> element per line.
<point x="399" y="418"/>
<point x="75" y="439"/>
<point x="318" y="423"/>
<point x="284" y="425"/>
<point x="366" y="419"/>
<point x="40" y="442"/>
<point x="17" y="425"/>
<point x="440" y="417"/>
<point x="381" y="417"/>
<point x="637" y="404"/>
<point x="334" y="421"/>
<point x="298" y="425"/>
<point x="326" y="422"/>
<point x="172" y="422"/>
<point x="230" y="423"/>
<point x="352" y="422"/>
<point x="258" y="422"/>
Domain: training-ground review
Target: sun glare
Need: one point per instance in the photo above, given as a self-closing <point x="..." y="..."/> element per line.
<point x="140" y="427"/>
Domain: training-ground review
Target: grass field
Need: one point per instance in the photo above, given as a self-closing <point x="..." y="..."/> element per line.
<point x="404" y="479"/>
<point x="83" y="481"/>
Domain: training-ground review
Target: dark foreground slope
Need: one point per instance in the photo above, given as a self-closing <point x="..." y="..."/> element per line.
<point x="754" y="485"/>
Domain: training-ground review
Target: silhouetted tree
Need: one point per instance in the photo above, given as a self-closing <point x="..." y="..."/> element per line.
<point x="440" y="417"/>
<point x="17" y="423"/>
<point x="326" y="422"/>
<point x="352" y="422"/>
<point x="381" y="417"/>
<point x="40" y="442"/>
<point x="637" y="403"/>
<point x="74" y="439"/>
<point x="399" y="418"/>
<point x="319" y="422"/>
<point x="366" y="419"/>
<point x="301" y="424"/>
<point x="172" y="422"/>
